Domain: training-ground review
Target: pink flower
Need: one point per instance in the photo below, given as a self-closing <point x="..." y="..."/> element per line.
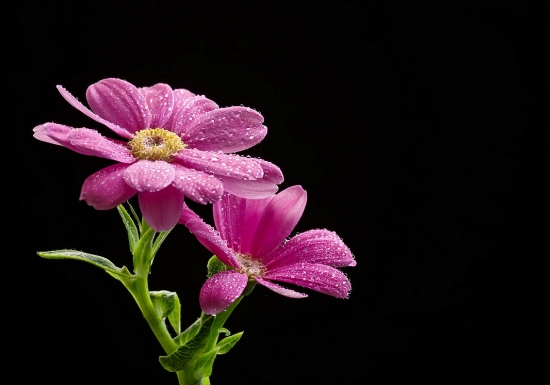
<point x="251" y="241"/>
<point x="177" y="145"/>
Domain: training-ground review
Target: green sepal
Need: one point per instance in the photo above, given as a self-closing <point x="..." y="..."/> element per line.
<point x="203" y="366"/>
<point x="189" y="333"/>
<point x="144" y="227"/>
<point x="214" y="266"/>
<point x="134" y="214"/>
<point x="131" y="229"/>
<point x="95" y="260"/>
<point x="158" y="242"/>
<point x="188" y="354"/>
<point x="227" y="343"/>
<point x="143" y="253"/>
<point x="175" y="316"/>
<point x="164" y="302"/>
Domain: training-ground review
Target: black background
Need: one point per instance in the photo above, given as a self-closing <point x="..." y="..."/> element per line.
<point x="409" y="126"/>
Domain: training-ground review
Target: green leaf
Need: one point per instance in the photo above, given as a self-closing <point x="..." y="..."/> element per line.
<point x="164" y="302"/>
<point x="143" y="252"/>
<point x="95" y="260"/>
<point x="175" y="316"/>
<point x="215" y="266"/>
<point x="131" y="229"/>
<point x="205" y="381"/>
<point x="187" y="354"/>
<point x="224" y="331"/>
<point x="189" y="333"/>
<point x="203" y="367"/>
<point x="227" y="343"/>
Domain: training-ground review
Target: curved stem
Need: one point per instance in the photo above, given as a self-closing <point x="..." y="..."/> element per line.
<point x="140" y="291"/>
<point x="138" y="287"/>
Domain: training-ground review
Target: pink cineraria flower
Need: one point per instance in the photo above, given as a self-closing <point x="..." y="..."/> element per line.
<point x="178" y="144"/>
<point x="251" y="241"/>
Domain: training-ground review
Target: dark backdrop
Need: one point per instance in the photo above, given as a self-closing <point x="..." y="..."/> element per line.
<point x="408" y="125"/>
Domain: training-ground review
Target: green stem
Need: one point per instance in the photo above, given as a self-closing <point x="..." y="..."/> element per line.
<point x="138" y="287"/>
<point x="139" y="290"/>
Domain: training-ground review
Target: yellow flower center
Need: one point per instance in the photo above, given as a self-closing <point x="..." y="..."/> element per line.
<point x="250" y="266"/>
<point x="155" y="144"/>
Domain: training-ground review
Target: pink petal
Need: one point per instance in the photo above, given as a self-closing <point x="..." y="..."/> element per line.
<point x="279" y="218"/>
<point x="80" y="107"/>
<point x="59" y="133"/>
<point x="88" y="142"/>
<point x="146" y="175"/>
<point x="160" y="100"/>
<point x="220" y="164"/>
<point x="207" y="236"/>
<point x="279" y="289"/>
<point x="197" y="185"/>
<point x="221" y="290"/>
<point x="106" y="188"/>
<point x="180" y="97"/>
<point x="236" y="218"/>
<point x="228" y="129"/>
<point x="161" y="209"/>
<point x="40" y="134"/>
<point x="119" y="102"/>
<point x="251" y="189"/>
<point x="91" y="142"/>
<point x="272" y="173"/>
<point x="188" y="111"/>
<point x="313" y="246"/>
<point x="321" y="278"/>
<point x="229" y="214"/>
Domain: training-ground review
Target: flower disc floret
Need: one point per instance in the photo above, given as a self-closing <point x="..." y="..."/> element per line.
<point x="250" y="266"/>
<point x="155" y="144"/>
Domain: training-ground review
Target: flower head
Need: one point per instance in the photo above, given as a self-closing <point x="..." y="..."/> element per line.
<point x="251" y="240"/>
<point x="178" y="144"/>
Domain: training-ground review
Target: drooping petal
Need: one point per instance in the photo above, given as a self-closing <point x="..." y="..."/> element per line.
<point x="207" y="236"/>
<point x="80" y="107"/>
<point x="251" y="189"/>
<point x="255" y="189"/>
<point x="160" y="100"/>
<point x="40" y="133"/>
<point x="188" y="111"/>
<point x="321" y="278"/>
<point x="313" y="246"/>
<point x="161" y="209"/>
<point x="120" y="102"/>
<point x="221" y="290"/>
<point x="279" y="289"/>
<point x="272" y="173"/>
<point x="91" y="142"/>
<point x="106" y="188"/>
<point x="279" y="218"/>
<point x="197" y="185"/>
<point x="220" y="164"/>
<point x="146" y="175"/>
<point x="228" y="129"/>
